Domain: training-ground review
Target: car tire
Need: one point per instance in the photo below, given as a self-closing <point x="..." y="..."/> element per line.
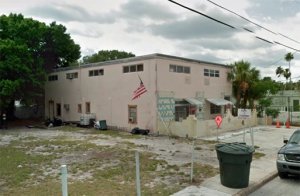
<point x="282" y="175"/>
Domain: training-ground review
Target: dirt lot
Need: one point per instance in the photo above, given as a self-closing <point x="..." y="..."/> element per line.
<point x="99" y="162"/>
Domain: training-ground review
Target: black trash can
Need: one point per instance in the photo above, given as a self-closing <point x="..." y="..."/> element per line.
<point x="234" y="160"/>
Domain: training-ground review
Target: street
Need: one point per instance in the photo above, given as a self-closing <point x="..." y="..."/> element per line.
<point x="290" y="186"/>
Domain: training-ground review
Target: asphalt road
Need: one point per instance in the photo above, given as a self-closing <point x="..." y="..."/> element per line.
<point x="279" y="187"/>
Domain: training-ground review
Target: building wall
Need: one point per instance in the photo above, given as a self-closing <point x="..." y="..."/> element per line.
<point x="286" y="99"/>
<point x="187" y="85"/>
<point x="110" y="94"/>
<point x="195" y="84"/>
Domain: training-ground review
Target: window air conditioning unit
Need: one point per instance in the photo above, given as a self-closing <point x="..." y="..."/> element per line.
<point x="70" y="76"/>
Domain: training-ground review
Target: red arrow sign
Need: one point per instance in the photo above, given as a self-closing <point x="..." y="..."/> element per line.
<point x="218" y="120"/>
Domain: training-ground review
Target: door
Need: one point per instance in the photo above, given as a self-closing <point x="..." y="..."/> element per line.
<point x="51" y="110"/>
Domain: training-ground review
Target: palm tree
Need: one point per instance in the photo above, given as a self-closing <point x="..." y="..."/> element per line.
<point x="288" y="57"/>
<point x="243" y="77"/>
<point x="283" y="72"/>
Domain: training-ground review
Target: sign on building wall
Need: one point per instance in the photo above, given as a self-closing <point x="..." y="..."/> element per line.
<point x="166" y="108"/>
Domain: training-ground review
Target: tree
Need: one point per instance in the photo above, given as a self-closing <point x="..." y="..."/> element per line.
<point x="106" y="55"/>
<point x="243" y="78"/>
<point x="260" y="89"/>
<point x="60" y="50"/>
<point x="283" y="72"/>
<point x="288" y="57"/>
<point x="260" y="92"/>
<point x="28" y="49"/>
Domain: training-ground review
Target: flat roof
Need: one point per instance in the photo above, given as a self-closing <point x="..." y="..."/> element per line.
<point x="136" y="58"/>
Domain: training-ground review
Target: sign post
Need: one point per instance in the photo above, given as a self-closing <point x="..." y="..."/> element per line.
<point x="246" y="114"/>
<point x="218" y="121"/>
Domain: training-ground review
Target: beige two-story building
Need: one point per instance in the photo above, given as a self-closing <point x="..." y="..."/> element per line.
<point x="175" y="88"/>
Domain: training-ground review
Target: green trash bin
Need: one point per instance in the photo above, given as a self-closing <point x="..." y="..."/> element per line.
<point x="234" y="160"/>
<point x="103" y="125"/>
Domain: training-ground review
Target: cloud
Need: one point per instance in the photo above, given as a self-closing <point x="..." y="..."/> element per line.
<point x="69" y="13"/>
<point x="91" y="33"/>
<point x="137" y="9"/>
<point x="190" y="28"/>
<point x="283" y="9"/>
<point x="87" y="51"/>
<point x="231" y="43"/>
<point x="206" y="56"/>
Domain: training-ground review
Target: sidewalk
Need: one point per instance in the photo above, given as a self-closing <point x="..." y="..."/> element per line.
<point x="268" y="139"/>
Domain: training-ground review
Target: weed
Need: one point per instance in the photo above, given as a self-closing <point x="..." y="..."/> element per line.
<point x="258" y="155"/>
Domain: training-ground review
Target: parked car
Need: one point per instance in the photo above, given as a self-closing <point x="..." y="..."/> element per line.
<point x="288" y="157"/>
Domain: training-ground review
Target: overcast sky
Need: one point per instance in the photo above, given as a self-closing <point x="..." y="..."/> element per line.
<point x="159" y="26"/>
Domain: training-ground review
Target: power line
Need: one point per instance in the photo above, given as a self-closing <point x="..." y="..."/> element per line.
<point x="242" y="17"/>
<point x="228" y="25"/>
<point x="286" y="46"/>
<point x="264" y="40"/>
<point x="289" y="38"/>
<point x="202" y="14"/>
<point x="246" y="29"/>
<point x="252" y="22"/>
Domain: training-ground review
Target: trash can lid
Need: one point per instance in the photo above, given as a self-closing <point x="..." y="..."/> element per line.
<point x="235" y="148"/>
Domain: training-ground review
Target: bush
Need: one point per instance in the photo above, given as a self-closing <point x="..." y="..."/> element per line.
<point x="272" y="112"/>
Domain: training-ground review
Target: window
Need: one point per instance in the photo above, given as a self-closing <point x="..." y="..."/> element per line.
<point x="58" y="109"/>
<point x="206" y="72"/>
<point x="79" y="109"/>
<point x="217" y="74"/>
<point x="187" y="70"/>
<point x="179" y="69"/>
<point x="172" y="68"/>
<point x="214" y="109"/>
<point x="132" y="114"/>
<point x="72" y="75"/>
<point x="52" y="78"/>
<point x="140" y="67"/>
<point x="227" y="97"/>
<point x="96" y="72"/>
<point x="126" y="69"/>
<point x="87" y="107"/>
<point x="133" y="68"/>
<point x="211" y="73"/>
<point x="181" y="112"/>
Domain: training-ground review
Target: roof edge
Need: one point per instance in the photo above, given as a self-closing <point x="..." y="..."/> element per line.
<point x="136" y="58"/>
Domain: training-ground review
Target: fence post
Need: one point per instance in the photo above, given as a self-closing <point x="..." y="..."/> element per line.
<point x="64" y="180"/>
<point x="137" y="166"/>
<point x="252" y="136"/>
<point x="192" y="163"/>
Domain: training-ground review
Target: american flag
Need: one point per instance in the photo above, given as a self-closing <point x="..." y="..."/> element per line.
<point x="139" y="91"/>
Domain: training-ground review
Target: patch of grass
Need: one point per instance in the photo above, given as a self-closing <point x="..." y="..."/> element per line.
<point x="122" y="134"/>
<point x="112" y="167"/>
<point x="70" y="128"/>
<point x="256" y="147"/>
<point x="173" y="167"/>
<point x="17" y="166"/>
<point x="207" y="141"/>
<point x="30" y="138"/>
<point x="198" y="148"/>
<point x="257" y="155"/>
<point x="129" y="145"/>
<point x="202" y="171"/>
